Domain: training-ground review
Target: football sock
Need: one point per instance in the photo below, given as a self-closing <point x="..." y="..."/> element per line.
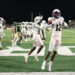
<point x="47" y="55"/>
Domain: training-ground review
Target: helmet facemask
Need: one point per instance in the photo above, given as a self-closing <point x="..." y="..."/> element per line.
<point x="56" y="13"/>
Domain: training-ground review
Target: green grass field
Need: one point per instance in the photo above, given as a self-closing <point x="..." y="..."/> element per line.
<point x="73" y="50"/>
<point x="17" y="63"/>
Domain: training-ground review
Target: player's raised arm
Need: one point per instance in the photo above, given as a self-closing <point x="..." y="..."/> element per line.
<point x="65" y="24"/>
<point x="48" y="25"/>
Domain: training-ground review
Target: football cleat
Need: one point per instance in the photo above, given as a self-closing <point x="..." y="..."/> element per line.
<point x="49" y="67"/>
<point x="26" y="58"/>
<point x="36" y="58"/>
<point x="43" y="65"/>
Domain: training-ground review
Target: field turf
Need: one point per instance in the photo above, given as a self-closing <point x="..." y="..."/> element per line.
<point x="17" y="63"/>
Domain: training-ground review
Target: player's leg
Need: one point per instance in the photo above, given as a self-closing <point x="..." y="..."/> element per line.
<point x="16" y="38"/>
<point x="26" y="38"/>
<point x="31" y="51"/>
<point x="40" y="48"/>
<point x="40" y="43"/>
<point x="52" y="58"/>
<point x="45" y="60"/>
<point x="57" y="44"/>
<point x="19" y="41"/>
<point x="34" y="47"/>
<point x="51" y="46"/>
<point x="14" y="41"/>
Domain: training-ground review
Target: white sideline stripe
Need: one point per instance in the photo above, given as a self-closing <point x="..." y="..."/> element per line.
<point x="38" y="73"/>
<point x="65" y="50"/>
<point x="8" y="52"/>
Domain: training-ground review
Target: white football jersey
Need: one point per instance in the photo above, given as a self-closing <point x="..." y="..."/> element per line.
<point x="23" y="29"/>
<point x="36" y="28"/>
<point x="57" y="23"/>
<point x="22" y="26"/>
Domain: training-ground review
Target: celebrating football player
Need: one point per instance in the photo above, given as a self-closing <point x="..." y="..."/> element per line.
<point x="57" y="22"/>
<point x="36" y="38"/>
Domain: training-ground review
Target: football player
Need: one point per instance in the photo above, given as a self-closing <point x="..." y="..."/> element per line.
<point x="16" y="33"/>
<point x="23" y="32"/>
<point x="1" y="30"/>
<point x="36" y="38"/>
<point x="57" y="22"/>
<point x="26" y="30"/>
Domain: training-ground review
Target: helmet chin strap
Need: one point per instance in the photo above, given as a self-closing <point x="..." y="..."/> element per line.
<point x="57" y="16"/>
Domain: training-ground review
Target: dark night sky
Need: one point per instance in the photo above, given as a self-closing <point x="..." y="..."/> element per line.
<point x="21" y="10"/>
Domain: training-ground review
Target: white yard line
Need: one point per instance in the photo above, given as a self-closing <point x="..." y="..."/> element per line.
<point x="38" y="73"/>
<point x="65" y="50"/>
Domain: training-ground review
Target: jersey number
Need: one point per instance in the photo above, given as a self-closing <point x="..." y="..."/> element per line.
<point x="58" y="28"/>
